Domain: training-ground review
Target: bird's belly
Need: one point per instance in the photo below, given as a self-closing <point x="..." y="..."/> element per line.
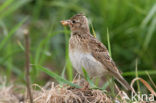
<point x="88" y="62"/>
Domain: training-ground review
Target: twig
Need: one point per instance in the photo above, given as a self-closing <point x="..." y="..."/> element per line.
<point x="27" y="54"/>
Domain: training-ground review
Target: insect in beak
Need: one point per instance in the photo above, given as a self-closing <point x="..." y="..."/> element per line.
<point x="65" y="22"/>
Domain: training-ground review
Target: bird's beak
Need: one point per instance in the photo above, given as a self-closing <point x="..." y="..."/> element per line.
<point x="65" y="22"/>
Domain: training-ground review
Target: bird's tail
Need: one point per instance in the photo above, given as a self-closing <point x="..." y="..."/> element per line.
<point x="122" y="81"/>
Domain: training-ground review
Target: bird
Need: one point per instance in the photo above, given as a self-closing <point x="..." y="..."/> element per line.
<point x="85" y="51"/>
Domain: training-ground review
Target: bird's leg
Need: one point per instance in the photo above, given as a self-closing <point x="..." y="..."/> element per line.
<point x="81" y="82"/>
<point x="76" y="78"/>
<point x="86" y="84"/>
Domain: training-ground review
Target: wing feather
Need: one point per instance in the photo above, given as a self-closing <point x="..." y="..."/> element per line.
<point x="101" y="54"/>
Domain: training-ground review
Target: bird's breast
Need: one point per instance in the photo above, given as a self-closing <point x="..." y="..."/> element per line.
<point x="85" y="60"/>
<point x="78" y="43"/>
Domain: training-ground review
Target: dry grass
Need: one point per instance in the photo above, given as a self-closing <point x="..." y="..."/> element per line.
<point x="52" y="93"/>
<point x="56" y="93"/>
<point x="8" y="94"/>
<point x="66" y="94"/>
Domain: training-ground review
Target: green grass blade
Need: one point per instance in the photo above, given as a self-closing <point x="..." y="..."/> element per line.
<point x="40" y="48"/>
<point x="20" y="45"/>
<point x="5" y="4"/>
<point x="39" y="52"/>
<point x="151" y="79"/>
<point x="149" y="16"/>
<point x="56" y="76"/>
<point x="5" y="40"/>
<point x="150" y="33"/>
<point x="37" y="9"/>
<point x="107" y="84"/>
<point x="141" y="73"/>
<point x="88" y="79"/>
<point x="63" y="72"/>
<point x="68" y="63"/>
<point x="108" y="40"/>
<point x="93" y="30"/>
<point x="13" y="8"/>
<point x="136" y="73"/>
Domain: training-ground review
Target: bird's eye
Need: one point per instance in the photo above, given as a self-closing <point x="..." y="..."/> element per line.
<point x="73" y="21"/>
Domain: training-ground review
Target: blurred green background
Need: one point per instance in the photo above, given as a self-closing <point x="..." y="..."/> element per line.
<point x="131" y="25"/>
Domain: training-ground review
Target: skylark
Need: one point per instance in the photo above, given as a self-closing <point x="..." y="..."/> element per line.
<point x="86" y="51"/>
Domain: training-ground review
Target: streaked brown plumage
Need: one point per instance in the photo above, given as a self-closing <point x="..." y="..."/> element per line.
<point x="86" y="51"/>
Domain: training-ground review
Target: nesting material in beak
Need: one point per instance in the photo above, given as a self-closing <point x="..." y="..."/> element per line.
<point x="65" y="22"/>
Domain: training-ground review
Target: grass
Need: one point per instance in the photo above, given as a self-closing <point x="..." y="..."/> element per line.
<point x="136" y="73"/>
<point x="68" y="63"/>
<point x="12" y="7"/>
<point x="92" y="85"/>
<point x="5" y="40"/>
<point x="57" y="77"/>
<point x="108" y="41"/>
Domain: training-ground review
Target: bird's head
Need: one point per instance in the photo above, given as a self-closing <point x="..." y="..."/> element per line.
<point x="77" y="23"/>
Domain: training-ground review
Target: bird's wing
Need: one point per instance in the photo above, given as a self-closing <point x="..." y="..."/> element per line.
<point x="100" y="52"/>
